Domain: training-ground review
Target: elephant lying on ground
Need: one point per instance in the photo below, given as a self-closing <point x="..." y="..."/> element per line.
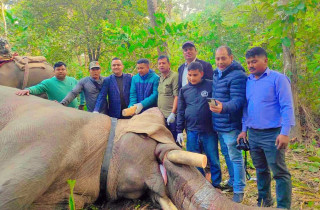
<point x="43" y="144"/>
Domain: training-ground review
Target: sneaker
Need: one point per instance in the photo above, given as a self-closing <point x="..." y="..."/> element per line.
<point x="224" y="188"/>
<point x="237" y="197"/>
<point x="265" y="202"/>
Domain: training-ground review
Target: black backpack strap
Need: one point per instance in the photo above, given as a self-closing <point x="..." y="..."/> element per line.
<point x="98" y="86"/>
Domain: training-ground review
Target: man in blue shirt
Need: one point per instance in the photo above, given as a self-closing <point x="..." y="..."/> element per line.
<point x="194" y="113"/>
<point x="229" y="92"/>
<point x="268" y="118"/>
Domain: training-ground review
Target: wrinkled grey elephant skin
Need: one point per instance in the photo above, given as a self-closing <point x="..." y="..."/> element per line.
<point x="43" y="144"/>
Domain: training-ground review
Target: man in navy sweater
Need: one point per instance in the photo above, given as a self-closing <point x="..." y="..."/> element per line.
<point x="194" y="112"/>
<point x="229" y="91"/>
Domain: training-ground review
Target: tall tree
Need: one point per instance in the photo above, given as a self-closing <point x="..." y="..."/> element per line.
<point x="152" y="5"/>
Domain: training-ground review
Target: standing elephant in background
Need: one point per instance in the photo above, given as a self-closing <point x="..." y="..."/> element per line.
<point x="12" y="76"/>
<point x="44" y="144"/>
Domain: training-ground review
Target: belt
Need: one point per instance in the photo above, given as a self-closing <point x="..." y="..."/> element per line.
<point x="106" y="160"/>
<point x="267" y="129"/>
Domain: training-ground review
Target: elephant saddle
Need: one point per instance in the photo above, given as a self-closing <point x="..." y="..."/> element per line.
<point x="30" y="62"/>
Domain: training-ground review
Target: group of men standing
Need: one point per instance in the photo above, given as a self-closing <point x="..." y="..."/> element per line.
<point x="260" y="104"/>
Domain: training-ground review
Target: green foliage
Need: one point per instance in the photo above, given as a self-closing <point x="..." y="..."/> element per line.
<point x="59" y="30"/>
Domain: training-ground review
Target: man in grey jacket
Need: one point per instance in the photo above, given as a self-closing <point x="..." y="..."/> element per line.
<point x="91" y="87"/>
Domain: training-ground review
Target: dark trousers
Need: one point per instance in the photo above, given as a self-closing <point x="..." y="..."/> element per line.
<point x="266" y="156"/>
<point x="172" y="128"/>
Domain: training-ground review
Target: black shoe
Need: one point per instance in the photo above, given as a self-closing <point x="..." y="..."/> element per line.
<point x="224" y="188"/>
<point x="265" y="202"/>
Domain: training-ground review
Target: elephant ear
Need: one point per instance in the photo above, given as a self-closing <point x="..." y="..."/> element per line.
<point x="151" y="122"/>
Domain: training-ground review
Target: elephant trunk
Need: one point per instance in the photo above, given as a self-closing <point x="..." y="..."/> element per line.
<point x="188" y="189"/>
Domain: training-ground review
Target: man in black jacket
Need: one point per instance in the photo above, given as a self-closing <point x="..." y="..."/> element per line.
<point x="194" y="113"/>
<point x="229" y="91"/>
<point x="190" y="55"/>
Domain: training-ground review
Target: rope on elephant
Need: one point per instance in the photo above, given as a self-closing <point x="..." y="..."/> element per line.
<point x="4" y="60"/>
<point x="24" y="62"/>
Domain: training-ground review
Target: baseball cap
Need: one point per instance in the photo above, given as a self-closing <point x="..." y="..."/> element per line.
<point x="94" y="64"/>
<point x="188" y="43"/>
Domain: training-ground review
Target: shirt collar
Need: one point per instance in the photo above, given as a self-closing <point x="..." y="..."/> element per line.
<point x="186" y="64"/>
<point x="59" y="79"/>
<point x="264" y="74"/>
<point x="168" y="75"/>
<point x="144" y="77"/>
<point x="219" y="73"/>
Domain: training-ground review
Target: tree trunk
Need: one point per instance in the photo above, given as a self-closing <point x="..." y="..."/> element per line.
<point x="169" y="6"/>
<point x="89" y="52"/>
<point x="152" y="5"/>
<point x="289" y="64"/>
<point x="289" y="61"/>
<point x="93" y="54"/>
<point x="4" y="21"/>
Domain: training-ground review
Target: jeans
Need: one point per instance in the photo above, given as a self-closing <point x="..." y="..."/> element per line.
<point x="266" y="156"/>
<point x="234" y="159"/>
<point x="172" y="128"/>
<point x="207" y="142"/>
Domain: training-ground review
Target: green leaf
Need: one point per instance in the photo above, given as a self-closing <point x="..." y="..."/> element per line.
<point x="118" y="23"/>
<point x="168" y="28"/>
<point x="301" y="6"/>
<point x="313" y="169"/>
<point x="299" y="43"/>
<point x="160" y="18"/>
<point x="72" y="205"/>
<point x="9" y="16"/>
<point x="291" y="19"/>
<point x="126" y="29"/>
<point x="286" y="42"/>
<point x="310" y="204"/>
<point x="158" y="30"/>
<point x="314" y="159"/>
<point x="151" y="30"/>
<point x="288" y="12"/>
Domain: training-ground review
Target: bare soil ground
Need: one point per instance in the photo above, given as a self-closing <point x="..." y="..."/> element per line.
<point x="303" y="163"/>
